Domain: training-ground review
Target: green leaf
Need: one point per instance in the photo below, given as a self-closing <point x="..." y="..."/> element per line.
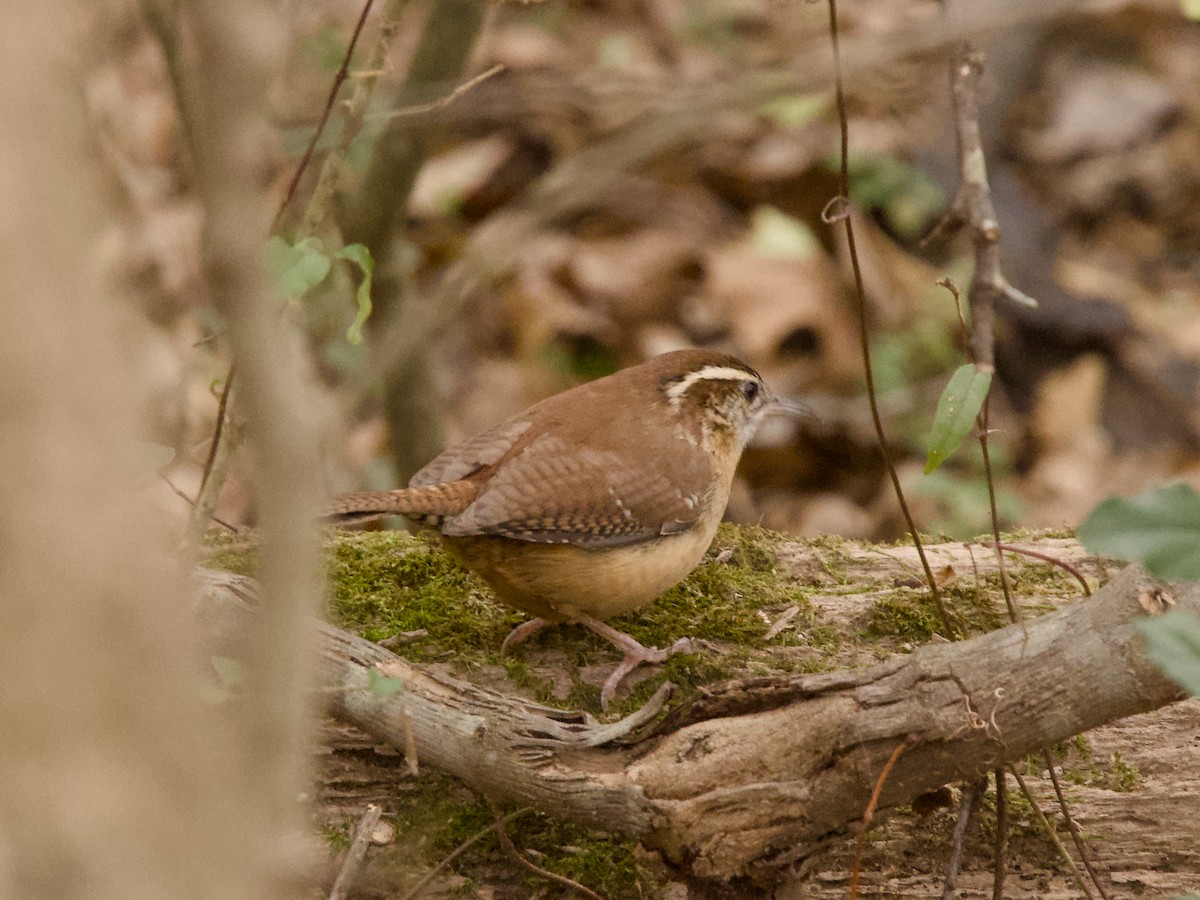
<point x="1159" y="528"/>
<point x="297" y="268"/>
<point x="383" y="685"/>
<point x="776" y="235"/>
<point x="1173" y="644"/>
<point x="361" y="257"/>
<point x="960" y="404"/>
<point x="906" y="196"/>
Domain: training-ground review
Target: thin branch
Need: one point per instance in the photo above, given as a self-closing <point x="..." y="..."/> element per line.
<point x="162" y="18"/>
<point x="872" y="805"/>
<point x="1074" y="828"/>
<point x="357" y="853"/>
<point x="1014" y="611"/>
<point x="1053" y="560"/>
<point x="972" y="794"/>
<point x="321" y="201"/>
<point x="229" y="104"/>
<point x="839" y="209"/>
<point x="461" y="849"/>
<point x="1000" y="857"/>
<point x="512" y="853"/>
<point x="213" y="478"/>
<point x="454" y="95"/>
<point x="1052" y="834"/>
<point x="190" y="502"/>
<point x="973" y="208"/>
<point x="338" y="79"/>
<point x="220" y="448"/>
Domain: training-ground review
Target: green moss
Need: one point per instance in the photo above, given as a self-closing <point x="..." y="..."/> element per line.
<point x="1122" y="776"/>
<point x="1081" y="766"/>
<point x="1024" y="830"/>
<point x="385" y="583"/>
<point x="974" y="606"/>
<point x="337" y="834"/>
<point x="906" y="613"/>
<point x="388" y="582"/>
<point x="436" y="815"/>
<point x="835" y="561"/>
<point x="231" y="552"/>
<point x="605" y="863"/>
<point x="722" y="599"/>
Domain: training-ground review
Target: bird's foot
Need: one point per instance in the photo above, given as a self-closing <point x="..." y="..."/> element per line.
<point x="635" y="654"/>
<point x="522" y="631"/>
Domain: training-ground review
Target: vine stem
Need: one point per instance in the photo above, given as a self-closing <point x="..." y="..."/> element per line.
<point x="842" y="205"/>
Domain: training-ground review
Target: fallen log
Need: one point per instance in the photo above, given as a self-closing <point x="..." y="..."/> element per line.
<point x="758" y="773"/>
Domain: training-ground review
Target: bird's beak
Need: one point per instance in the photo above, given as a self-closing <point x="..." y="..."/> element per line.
<point x="785" y="406"/>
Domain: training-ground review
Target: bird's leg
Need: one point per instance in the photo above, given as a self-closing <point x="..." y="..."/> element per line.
<point x="522" y="631"/>
<point x="634" y="652"/>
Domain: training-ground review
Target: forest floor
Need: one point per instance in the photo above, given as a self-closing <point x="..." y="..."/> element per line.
<point x="1131" y="785"/>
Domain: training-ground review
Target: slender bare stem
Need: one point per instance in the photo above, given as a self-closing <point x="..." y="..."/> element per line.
<point x="839" y="209"/>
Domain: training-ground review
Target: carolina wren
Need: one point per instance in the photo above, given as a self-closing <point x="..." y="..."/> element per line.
<point x="595" y="501"/>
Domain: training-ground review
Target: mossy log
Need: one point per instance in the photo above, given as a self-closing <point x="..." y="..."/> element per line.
<point x="756" y="773"/>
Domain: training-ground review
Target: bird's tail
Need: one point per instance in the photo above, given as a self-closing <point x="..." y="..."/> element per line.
<point x="428" y="505"/>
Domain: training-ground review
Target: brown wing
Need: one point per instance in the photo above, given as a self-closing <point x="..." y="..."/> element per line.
<point x="462" y="460"/>
<point x="587" y="498"/>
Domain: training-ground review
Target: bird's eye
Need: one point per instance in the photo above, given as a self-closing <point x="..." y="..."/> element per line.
<point x="751" y="390"/>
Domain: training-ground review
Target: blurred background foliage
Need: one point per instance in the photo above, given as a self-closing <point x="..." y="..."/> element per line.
<point x="714" y="238"/>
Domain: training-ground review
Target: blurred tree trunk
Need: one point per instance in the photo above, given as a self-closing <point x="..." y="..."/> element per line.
<point x="115" y="780"/>
<point x="411" y="403"/>
<point x="237" y="47"/>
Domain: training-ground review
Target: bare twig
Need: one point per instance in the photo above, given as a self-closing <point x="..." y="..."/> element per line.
<point x="1014" y="611"/>
<point x="357" y="853"/>
<point x="1048" y="829"/>
<point x="869" y="812"/>
<point x="190" y="502"/>
<point x="404" y="637"/>
<point x="321" y="201"/>
<point x="972" y="794"/>
<point x="838" y="209"/>
<point x="972" y="207"/>
<point x="512" y="853"/>
<point x="1000" y="857"/>
<point x="1074" y="828"/>
<point x="1046" y="557"/>
<point x="338" y="79"/>
<point x="461" y="849"/>
<point x="782" y="622"/>
<point x="463" y="88"/>
<point x="216" y="465"/>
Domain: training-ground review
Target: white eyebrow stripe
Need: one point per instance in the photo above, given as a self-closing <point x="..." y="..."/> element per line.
<point x="708" y="373"/>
